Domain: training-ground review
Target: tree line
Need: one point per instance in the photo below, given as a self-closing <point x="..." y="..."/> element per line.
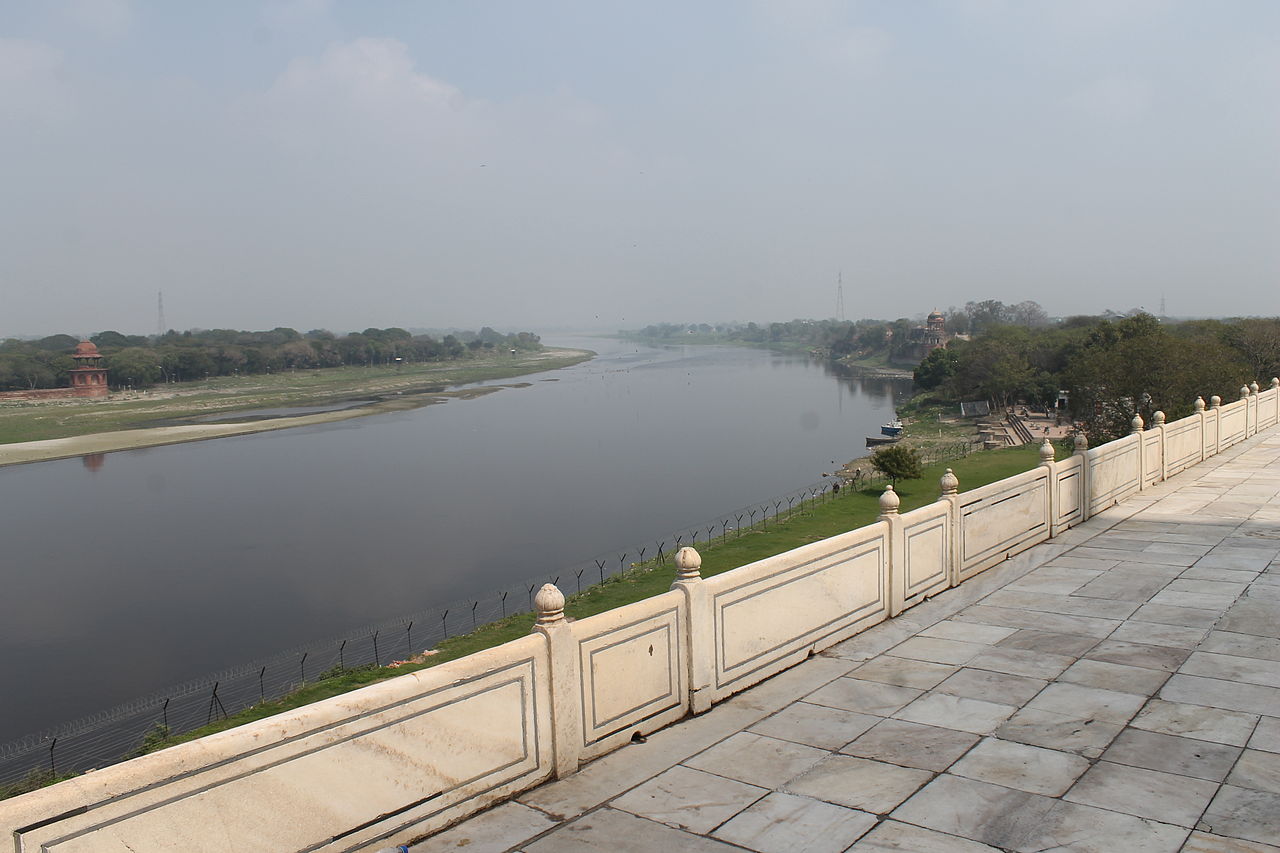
<point x="1111" y="368"/>
<point x="141" y="361"/>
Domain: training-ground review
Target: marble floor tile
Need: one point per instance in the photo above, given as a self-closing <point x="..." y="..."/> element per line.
<point x="865" y="697"/>
<point x="956" y="712"/>
<point x="1172" y="754"/>
<point x="894" y="837"/>
<point x="782" y="823"/>
<point x="1233" y="668"/>
<point x="1199" y="600"/>
<point x="1233" y="558"/>
<point x="1072" y="645"/>
<point x="1251" y="617"/>
<point x="815" y="725"/>
<point x="859" y="783"/>
<point x="967" y="632"/>
<point x="1131" y="588"/>
<point x="1026" y="768"/>
<point x="1242" y="645"/>
<point x="1064" y="605"/>
<point x="1209" y="587"/>
<point x="499" y="828"/>
<point x="1122" y="556"/>
<point x="912" y="745"/>
<point x="1073" y="561"/>
<point x="1217" y="693"/>
<point x="757" y="760"/>
<point x="992" y="686"/>
<point x="903" y="672"/>
<point x="1086" y="829"/>
<point x="1164" y="658"/>
<point x="1204" y="842"/>
<point x="1195" y="721"/>
<point x="689" y="799"/>
<point x="1055" y="581"/>
<point x="990" y="814"/>
<point x="1188" y="616"/>
<point x="1165" y="797"/>
<point x="1088" y="737"/>
<point x="1087" y="703"/>
<point x="1155" y="634"/>
<point x="1242" y="813"/>
<point x="1267" y="735"/>
<point x="1230" y="575"/>
<point x="936" y="650"/>
<point x="1258" y="771"/>
<point x="620" y="832"/>
<point x="1012" y="617"/>
<point x="1022" y="662"/>
<point x="1114" y="676"/>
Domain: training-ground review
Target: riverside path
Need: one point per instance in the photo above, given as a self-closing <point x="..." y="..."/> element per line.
<point x="1114" y="689"/>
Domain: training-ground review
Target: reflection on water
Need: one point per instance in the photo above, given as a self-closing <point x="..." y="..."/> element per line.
<point x="188" y="558"/>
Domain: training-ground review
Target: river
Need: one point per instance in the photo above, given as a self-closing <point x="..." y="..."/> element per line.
<point x="139" y="569"/>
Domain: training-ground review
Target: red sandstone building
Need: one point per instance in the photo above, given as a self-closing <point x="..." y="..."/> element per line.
<point x="88" y="377"/>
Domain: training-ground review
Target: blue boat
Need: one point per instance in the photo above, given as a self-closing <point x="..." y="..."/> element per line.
<point x="892" y="428"/>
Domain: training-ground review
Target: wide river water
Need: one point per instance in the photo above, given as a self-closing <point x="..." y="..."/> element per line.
<point x="164" y="564"/>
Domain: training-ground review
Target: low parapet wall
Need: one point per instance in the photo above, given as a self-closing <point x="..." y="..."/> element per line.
<point x="400" y="759"/>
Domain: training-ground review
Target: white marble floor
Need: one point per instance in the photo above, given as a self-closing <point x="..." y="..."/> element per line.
<point x="1116" y="689"/>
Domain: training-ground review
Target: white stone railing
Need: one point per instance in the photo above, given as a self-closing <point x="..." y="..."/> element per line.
<point x="402" y="758"/>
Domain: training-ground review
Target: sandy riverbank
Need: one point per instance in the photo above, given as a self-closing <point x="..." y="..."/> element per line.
<point x="176" y="433"/>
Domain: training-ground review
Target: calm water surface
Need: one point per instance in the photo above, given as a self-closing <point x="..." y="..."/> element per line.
<point x="163" y="564"/>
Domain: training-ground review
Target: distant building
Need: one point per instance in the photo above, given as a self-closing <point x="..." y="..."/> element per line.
<point x="88" y="377"/>
<point x="929" y="337"/>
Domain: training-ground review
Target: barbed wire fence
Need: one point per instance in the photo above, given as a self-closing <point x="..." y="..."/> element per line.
<point x="118" y="733"/>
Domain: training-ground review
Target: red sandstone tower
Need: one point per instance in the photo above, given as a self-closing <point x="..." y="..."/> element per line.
<point x="88" y="377"/>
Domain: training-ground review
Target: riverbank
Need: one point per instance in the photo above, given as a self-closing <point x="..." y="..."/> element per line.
<point x="133" y="420"/>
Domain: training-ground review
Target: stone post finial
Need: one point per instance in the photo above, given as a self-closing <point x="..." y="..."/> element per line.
<point x="1254" y="388"/>
<point x="1136" y="424"/>
<point x="889" y="502"/>
<point x="1199" y="404"/>
<point x="1158" y="419"/>
<point x="1275" y="381"/>
<point x="1080" y="443"/>
<point x="549" y="603"/>
<point x="1244" y="392"/>
<point x="949" y="483"/>
<point x="1046" y="450"/>
<point x="1215" y="402"/>
<point x="688" y="564"/>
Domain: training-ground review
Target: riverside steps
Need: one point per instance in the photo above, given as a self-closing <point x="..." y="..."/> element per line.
<point x="1084" y="656"/>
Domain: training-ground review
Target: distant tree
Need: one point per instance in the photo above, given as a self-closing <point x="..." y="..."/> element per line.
<point x="897" y="463"/>
<point x="937" y="367"/>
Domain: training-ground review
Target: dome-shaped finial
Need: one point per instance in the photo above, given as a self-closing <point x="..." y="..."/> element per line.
<point x="1244" y="392"/>
<point x="1136" y="424"/>
<point x="1215" y="402"/>
<point x="1080" y="443"/>
<point x="1158" y="419"/>
<point x="1254" y="388"/>
<point x="1046" y="450"/>
<point x="889" y="501"/>
<point x="948" y="482"/>
<point x="1199" y="404"/>
<point x="688" y="564"/>
<point x="549" y="602"/>
<point x="1275" y="381"/>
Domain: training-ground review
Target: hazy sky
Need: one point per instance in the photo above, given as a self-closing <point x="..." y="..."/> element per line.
<point x="538" y="163"/>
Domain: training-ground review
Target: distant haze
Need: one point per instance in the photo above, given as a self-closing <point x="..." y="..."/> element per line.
<point x="606" y="164"/>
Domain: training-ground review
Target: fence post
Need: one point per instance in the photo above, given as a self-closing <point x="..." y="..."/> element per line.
<point x="1198" y="405"/>
<point x="895" y="564"/>
<point x="1051" y="483"/>
<point x="1253" y="405"/>
<point x="566" y="713"/>
<point x="1135" y="428"/>
<point x="949" y="485"/>
<point x="699" y="629"/>
<point x="1275" y="398"/>
<point x="1158" y="421"/>
<point x="1215" y="408"/>
<point x="1081" y="449"/>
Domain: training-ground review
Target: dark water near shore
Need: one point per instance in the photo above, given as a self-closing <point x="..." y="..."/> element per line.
<point x="166" y="563"/>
